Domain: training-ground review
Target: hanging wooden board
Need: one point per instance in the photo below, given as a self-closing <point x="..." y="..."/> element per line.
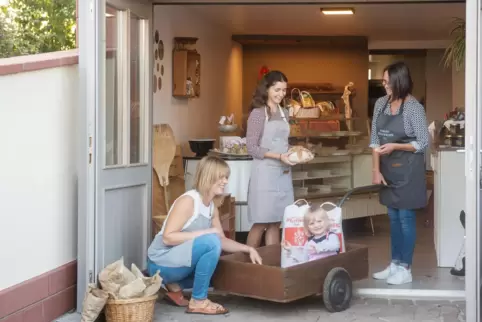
<point x="164" y="150"/>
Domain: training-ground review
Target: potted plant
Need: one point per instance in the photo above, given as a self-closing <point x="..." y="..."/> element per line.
<point x="455" y="53"/>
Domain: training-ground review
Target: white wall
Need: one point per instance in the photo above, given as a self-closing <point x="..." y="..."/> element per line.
<point x="198" y="117"/>
<point x="38" y="210"/>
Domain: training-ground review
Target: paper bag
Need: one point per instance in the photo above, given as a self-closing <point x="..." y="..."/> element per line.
<point x="336" y="218"/>
<point x="94" y="302"/>
<point x="294" y="234"/>
<point x="114" y="276"/>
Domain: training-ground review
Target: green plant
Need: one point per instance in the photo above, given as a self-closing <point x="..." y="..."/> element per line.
<point x="455" y="53"/>
<point x="36" y="26"/>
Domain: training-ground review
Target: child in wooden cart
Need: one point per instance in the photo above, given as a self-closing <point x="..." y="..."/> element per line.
<point x="316" y="240"/>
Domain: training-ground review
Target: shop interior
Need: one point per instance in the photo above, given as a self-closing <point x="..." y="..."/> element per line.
<point x="207" y="62"/>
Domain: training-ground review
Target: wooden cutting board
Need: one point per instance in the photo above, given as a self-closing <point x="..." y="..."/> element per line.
<point x="164" y="150"/>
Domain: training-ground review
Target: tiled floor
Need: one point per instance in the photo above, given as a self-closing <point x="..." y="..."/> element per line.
<point x="426" y="274"/>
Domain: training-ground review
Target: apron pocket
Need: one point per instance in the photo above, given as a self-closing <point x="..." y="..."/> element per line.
<point x="396" y="171"/>
<point x="268" y="178"/>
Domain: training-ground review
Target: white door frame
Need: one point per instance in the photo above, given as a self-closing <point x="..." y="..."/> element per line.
<point x="95" y="179"/>
<point x="473" y="142"/>
<point x="89" y="18"/>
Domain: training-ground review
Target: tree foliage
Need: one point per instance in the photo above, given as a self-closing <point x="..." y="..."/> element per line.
<point x="36" y="26"/>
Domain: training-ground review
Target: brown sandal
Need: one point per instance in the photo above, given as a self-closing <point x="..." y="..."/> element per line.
<point x="206" y="307"/>
<point x="176" y="298"/>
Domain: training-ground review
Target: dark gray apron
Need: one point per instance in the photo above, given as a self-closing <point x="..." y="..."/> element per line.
<point x="403" y="171"/>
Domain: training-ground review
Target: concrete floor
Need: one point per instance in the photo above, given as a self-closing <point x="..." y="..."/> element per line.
<point x="425" y="273"/>
<point x="311" y="309"/>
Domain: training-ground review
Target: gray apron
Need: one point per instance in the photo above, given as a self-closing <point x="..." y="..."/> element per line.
<point x="403" y="171"/>
<point x="270" y="188"/>
<point x="179" y="255"/>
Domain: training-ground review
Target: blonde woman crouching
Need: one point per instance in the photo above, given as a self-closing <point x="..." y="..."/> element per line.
<point x="186" y="251"/>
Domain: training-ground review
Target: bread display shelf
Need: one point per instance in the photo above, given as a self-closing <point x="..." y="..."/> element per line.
<point x="326" y="176"/>
<point x="328" y="135"/>
<point x="316" y="194"/>
<point x="338" y="117"/>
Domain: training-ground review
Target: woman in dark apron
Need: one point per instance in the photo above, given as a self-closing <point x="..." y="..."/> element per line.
<point x="270" y="187"/>
<point x="399" y="138"/>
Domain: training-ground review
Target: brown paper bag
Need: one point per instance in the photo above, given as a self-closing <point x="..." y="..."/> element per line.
<point x="132" y="290"/>
<point x="93" y="303"/>
<point x="136" y="271"/>
<point x="114" y="276"/>
<point x="153" y="284"/>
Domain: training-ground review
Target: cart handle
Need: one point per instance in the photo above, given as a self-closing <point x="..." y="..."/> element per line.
<point x="299" y="200"/>
<point x="370" y="188"/>
<point x="328" y="203"/>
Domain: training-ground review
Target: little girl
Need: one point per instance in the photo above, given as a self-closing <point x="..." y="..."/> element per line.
<point x="321" y="241"/>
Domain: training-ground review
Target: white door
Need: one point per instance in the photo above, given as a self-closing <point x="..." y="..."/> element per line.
<point x="115" y="137"/>
<point x="473" y="143"/>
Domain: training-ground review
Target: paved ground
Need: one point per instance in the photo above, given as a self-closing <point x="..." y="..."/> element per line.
<point x="362" y="310"/>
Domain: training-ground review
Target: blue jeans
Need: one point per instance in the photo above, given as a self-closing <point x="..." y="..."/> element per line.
<point x="205" y="256"/>
<point x="402" y="235"/>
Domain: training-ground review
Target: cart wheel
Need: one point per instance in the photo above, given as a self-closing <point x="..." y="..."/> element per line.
<point x="337" y="290"/>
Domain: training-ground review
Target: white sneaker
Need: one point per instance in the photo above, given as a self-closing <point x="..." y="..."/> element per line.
<point x="402" y="276"/>
<point x="387" y="272"/>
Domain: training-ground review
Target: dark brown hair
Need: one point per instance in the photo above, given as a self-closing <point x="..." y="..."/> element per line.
<point x="260" y="96"/>
<point x="399" y="80"/>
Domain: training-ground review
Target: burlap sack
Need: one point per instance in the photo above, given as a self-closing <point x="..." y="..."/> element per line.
<point x="94" y="302"/>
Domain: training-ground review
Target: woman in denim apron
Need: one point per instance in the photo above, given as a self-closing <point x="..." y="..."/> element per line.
<point x="399" y="138"/>
<point x="270" y="187"/>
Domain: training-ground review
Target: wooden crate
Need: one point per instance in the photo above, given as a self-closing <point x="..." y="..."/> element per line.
<point x="235" y="274"/>
<point x="227" y="215"/>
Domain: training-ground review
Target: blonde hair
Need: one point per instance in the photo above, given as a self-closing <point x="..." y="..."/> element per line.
<point x="209" y="170"/>
<point x="312" y="213"/>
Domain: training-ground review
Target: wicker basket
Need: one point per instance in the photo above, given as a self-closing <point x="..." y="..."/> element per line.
<point x="132" y="310"/>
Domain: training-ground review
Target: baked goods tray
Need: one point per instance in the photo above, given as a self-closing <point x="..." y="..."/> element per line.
<point x="230" y="155"/>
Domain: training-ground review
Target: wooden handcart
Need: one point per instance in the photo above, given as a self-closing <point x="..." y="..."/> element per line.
<point x="330" y="277"/>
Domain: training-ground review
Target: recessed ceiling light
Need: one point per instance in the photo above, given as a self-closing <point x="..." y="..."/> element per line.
<point x="337" y="11"/>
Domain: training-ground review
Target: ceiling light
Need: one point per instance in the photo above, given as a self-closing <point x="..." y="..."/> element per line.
<point x="109" y="15"/>
<point x="337" y="11"/>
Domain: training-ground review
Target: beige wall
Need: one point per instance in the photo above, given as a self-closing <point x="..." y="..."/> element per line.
<point x="458" y="87"/>
<point x="234" y="83"/>
<point x="439" y="86"/>
<point x="310" y="65"/>
<point x="416" y="63"/>
<point x="198" y="117"/>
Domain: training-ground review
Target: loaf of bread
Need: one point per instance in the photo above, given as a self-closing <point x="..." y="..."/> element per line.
<point x="299" y="154"/>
